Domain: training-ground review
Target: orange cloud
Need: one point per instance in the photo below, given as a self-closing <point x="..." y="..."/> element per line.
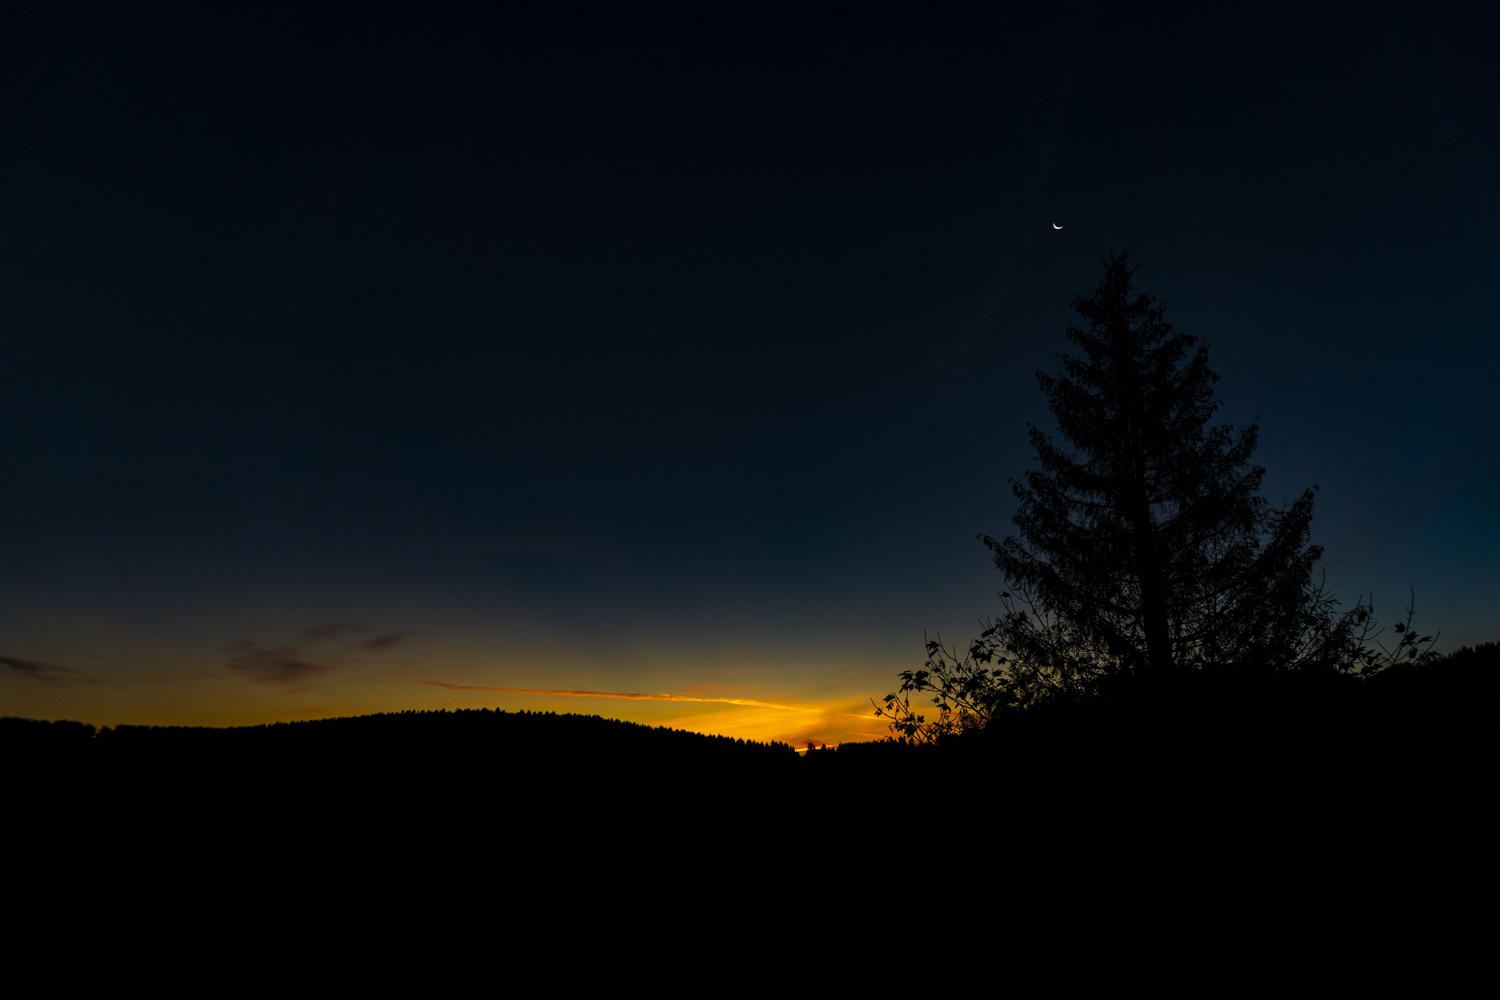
<point x="748" y="702"/>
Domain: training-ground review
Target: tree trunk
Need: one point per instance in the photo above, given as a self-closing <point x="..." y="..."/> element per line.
<point x="1148" y="569"/>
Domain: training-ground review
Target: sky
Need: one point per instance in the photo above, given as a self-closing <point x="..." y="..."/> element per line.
<point x="666" y="365"/>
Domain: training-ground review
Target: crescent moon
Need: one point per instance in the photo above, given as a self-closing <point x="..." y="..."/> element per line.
<point x="1056" y="226"/>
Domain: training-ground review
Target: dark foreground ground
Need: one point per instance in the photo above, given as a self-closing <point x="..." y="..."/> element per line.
<point x="1306" y="741"/>
<point x="1376" y="797"/>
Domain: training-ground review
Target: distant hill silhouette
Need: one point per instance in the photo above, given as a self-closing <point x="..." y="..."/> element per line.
<point x="1121" y="773"/>
<point x="536" y="745"/>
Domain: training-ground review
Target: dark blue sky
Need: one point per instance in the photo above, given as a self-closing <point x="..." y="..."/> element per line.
<point x="650" y="352"/>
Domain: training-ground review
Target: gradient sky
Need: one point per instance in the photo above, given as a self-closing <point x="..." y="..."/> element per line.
<point x="363" y="360"/>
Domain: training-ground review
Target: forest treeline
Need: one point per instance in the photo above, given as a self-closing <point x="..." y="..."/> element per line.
<point x="1325" y="753"/>
<point x="1455" y="695"/>
<point x="546" y="737"/>
<point x="404" y="774"/>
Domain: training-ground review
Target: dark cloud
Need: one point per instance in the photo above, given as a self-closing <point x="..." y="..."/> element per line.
<point x="381" y="643"/>
<point x="277" y="664"/>
<point x="47" y="673"/>
<point x="297" y="660"/>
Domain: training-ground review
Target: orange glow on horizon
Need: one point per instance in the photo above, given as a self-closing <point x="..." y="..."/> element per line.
<point x="765" y="721"/>
<point x="749" y="702"/>
<point x="192" y="696"/>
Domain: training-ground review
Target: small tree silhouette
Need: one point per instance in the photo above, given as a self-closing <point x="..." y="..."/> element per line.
<point x="967" y="693"/>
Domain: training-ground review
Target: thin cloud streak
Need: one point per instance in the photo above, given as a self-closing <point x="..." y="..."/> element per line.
<point x="747" y="702"/>
<point x="44" y="672"/>
<point x="290" y="663"/>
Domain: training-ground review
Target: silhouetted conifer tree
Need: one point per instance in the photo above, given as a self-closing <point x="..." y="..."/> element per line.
<point x="1147" y="547"/>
